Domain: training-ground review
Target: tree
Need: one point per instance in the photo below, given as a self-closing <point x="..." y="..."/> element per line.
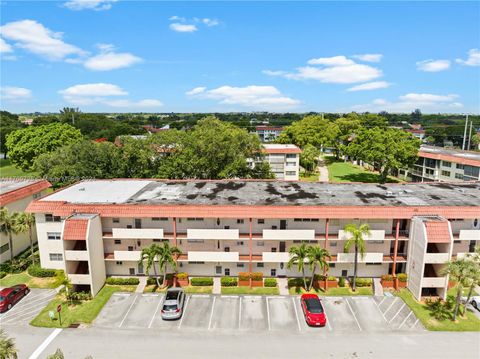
<point x="25" y="223"/>
<point x="8" y="225"/>
<point x="164" y="254"/>
<point x="148" y="257"/>
<point x="8" y="123"/>
<point x="416" y="115"/>
<point x="357" y="240"/>
<point x="476" y="141"/>
<point x="68" y="114"/>
<point x="342" y="130"/>
<point x="27" y="144"/>
<point x="7" y="346"/>
<point x="474" y="273"/>
<point x="317" y="258"/>
<point x="298" y="256"/>
<point x="385" y="149"/>
<point x="309" y="157"/>
<point x="311" y="130"/>
<point x="460" y="271"/>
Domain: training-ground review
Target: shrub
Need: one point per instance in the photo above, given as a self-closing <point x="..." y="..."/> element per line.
<point x="297" y="282"/>
<point x="243" y="276"/>
<point x="169" y="276"/>
<point x="331" y="277"/>
<point x="2" y="274"/>
<point x="182" y="275"/>
<point x="402" y="277"/>
<point x="341" y="282"/>
<point x="198" y="282"/>
<point x="319" y="277"/>
<point x="363" y="282"/>
<point x="256" y="276"/>
<point x="21" y="262"/>
<point x="153" y="281"/>
<point x="387" y="277"/>
<point x="37" y="271"/>
<point x="79" y="296"/>
<point x="228" y="282"/>
<point x="122" y="281"/>
<point x="270" y="282"/>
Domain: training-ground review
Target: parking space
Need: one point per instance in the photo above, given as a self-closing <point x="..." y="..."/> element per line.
<point x="230" y="313"/>
<point x="28" y="307"/>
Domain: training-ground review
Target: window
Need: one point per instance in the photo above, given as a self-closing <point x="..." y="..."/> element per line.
<point x="157" y="240"/>
<point x="429" y="172"/>
<point x="333" y="244"/>
<point x="260" y="243"/>
<point x="51" y="218"/>
<point x="459" y="166"/>
<point x="239" y="243"/>
<point x="195" y="219"/>
<point x="159" y="219"/>
<point x="195" y="240"/>
<point x="118" y="241"/>
<point x="240" y="265"/>
<point x="260" y="221"/>
<point x="259" y="265"/>
<point x="457" y="242"/>
<point x="54" y="236"/>
<point x="297" y="220"/>
<point x="116" y="220"/>
<point x="291" y="155"/>
<point x="446" y="173"/>
<point x="331" y="265"/>
<point x="56" y="256"/>
<point x="459" y="176"/>
<point x="273" y="272"/>
<point x="4" y="248"/>
<point x="315" y="220"/>
<point x="240" y="221"/>
<point x="446" y="164"/>
<point x="119" y="263"/>
<point x="290" y="173"/>
<point x="291" y="164"/>
<point x="196" y="262"/>
<point x="154" y="219"/>
<point x="227" y="271"/>
<point x="373" y="264"/>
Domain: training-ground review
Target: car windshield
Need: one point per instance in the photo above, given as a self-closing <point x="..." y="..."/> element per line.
<point x="172" y="295"/>
<point x="314" y="306"/>
<point x="169" y="307"/>
<point x="2" y="298"/>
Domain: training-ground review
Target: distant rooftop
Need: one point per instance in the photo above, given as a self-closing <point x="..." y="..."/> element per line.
<point x="452" y="155"/>
<point x="12" y="184"/>
<point x="280" y="148"/>
<point x="14" y="189"/>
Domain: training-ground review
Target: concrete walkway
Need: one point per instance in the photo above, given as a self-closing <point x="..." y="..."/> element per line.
<point x="377" y="287"/>
<point x="283" y="286"/>
<point x="141" y="286"/>
<point x="322" y="170"/>
<point x="217" y="287"/>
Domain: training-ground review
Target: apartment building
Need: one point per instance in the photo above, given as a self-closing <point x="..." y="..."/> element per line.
<point x="97" y="228"/>
<point x="444" y="165"/>
<point x="284" y="161"/>
<point x="268" y="133"/>
<point x="15" y="195"/>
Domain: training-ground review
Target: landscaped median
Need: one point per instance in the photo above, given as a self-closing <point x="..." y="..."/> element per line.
<point x="35" y="277"/>
<point x="200" y="285"/>
<point x="297" y="286"/>
<point x="249" y="283"/>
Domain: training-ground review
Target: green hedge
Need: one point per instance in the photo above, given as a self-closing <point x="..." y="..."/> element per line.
<point x="270" y="282"/>
<point x="199" y="282"/>
<point x="182" y="275"/>
<point x="81" y="296"/>
<point x="2" y="274"/>
<point x="387" y="277"/>
<point x="37" y="271"/>
<point x="402" y="277"/>
<point x="257" y="276"/>
<point x="122" y="281"/>
<point x="153" y="281"/>
<point x="297" y="282"/>
<point x="341" y="282"/>
<point x="228" y="282"/>
<point x="363" y="282"/>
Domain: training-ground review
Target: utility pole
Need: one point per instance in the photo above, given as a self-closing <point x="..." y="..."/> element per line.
<point x="470" y="134"/>
<point x="73" y="119"/>
<point x="465" y="132"/>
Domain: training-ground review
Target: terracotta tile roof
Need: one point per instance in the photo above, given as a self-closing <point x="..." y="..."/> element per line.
<point x="437" y="232"/>
<point x="23" y="192"/>
<point x="450" y="158"/>
<point x="268" y="128"/>
<point x="75" y="229"/>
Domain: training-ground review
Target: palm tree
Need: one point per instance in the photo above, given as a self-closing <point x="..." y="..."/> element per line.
<point x="474" y="273"/>
<point x="8" y="225"/>
<point x="317" y="257"/>
<point x="7" y="346"/>
<point x="147" y="258"/>
<point x="459" y="271"/>
<point x="167" y="257"/>
<point x="25" y="222"/>
<point x="298" y="255"/>
<point x="357" y="240"/>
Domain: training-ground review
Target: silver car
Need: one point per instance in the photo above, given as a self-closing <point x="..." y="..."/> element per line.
<point x="475" y="302"/>
<point x="173" y="302"/>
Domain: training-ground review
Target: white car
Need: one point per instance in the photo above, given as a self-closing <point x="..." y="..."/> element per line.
<point x="475" y="302"/>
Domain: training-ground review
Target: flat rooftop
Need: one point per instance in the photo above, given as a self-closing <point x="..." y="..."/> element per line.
<point x="261" y="193"/>
<point x="12" y="184"/>
<point x="465" y="155"/>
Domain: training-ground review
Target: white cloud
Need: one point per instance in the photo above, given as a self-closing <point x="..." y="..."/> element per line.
<point x="255" y="97"/>
<point x="146" y="103"/>
<point x="183" y="27"/>
<point x="177" y="18"/>
<point x="473" y="58"/>
<point x="370" y="86"/>
<point x="433" y="65"/>
<point x="108" y="59"/>
<point x="336" y="69"/>
<point x="210" y="22"/>
<point x="35" y="38"/>
<point x="4" y="47"/>
<point x="96" y="5"/>
<point x="411" y="101"/>
<point x="10" y="93"/>
<point x="369" y="57"/>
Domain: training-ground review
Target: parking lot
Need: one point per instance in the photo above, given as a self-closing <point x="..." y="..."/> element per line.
<point x="28" y="307"/>
<point x="232" y="313"/>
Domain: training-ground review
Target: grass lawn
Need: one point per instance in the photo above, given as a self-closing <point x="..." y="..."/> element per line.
<point x="463" y="324"/>
<point x="78" y="312"/>
<point x="340" y="291"/>
<point x="309" y="178"/>
<point x="187" y="289"/>
<point x="248" y="290"/>
<point x="339" y="171"/>
<point x="32" y="282"/>
<point x="8" y="170"/>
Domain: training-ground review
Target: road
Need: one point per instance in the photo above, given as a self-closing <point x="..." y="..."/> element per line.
<point x="143" y="343"/>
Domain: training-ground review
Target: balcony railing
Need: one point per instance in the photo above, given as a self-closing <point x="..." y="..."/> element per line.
<point x="469" y="235"/>
<point x="127" y="255"/>
<point x="275" y="257"/>
<point x="71" y="255"/>
<point x="368" y="257"/>
<point x="436" y="258"/>
<point x="289" y="234"/>
<point x="375" y="235"/>
<point x="224" y="234"/>
<point x="198" y="256"/>
<point x="137" y="233"/>
<point x="79" y="278"/>
<point x="434" y="282"/>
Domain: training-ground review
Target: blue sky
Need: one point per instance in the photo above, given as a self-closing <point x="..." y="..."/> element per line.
<point x="120" y="56"/>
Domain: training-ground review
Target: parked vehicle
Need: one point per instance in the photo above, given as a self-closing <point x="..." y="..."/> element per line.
<point x="10" y="296"/>
<point x="313" y="310"/>
<point x="475" y="302"/>
<point x="172" y="307"/>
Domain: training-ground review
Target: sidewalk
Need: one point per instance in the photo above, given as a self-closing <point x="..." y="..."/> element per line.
<point x="283" y="286"/>
<point x="323" y="171"/>
<point x="141" y="286"/>
<point x="217" y="288"/>
<point x="377" y="287"/>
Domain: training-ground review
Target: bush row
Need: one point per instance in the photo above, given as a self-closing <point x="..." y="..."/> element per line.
<point x="402" y="277"/>
<point x="229" y="282"/>
<point x="21" y="262"/>
<point x="243" y="276"/>
<point x="270" y="282"/>
<point x="198" y="282"/>
<point x="2" y="274"/>
<point x="122" y="281"/>
<point x="363" y="282"/>
<point x="79" y="296"/>
<point x="323" y="277"/>
<point x="37" y="271"/>
<point x="297" y="282"/>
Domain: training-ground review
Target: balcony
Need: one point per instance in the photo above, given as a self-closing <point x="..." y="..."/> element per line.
<point x="79" y="278"/>
<point x="197" y="256"/>
<point x="275" y="257"/>
<point x="375" y="235"/>
<point x="436" y="258"/>
<point x="127" y="255"/>
<point x="225" y="234"/>
<point x="469" y="235"/>
<point x="368" y="257"/>
<point x="72" y="255"/>
<point x="434" y="282"/>
<point x="137" y="233"/>
<point x="288" y="234"/>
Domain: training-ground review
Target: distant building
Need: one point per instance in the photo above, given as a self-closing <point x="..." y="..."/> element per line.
<point x="268" y="133"/>
<point x="15" y="195"/>
<point x="152" y="129"/>
<point x="284" y="161"/>
<point x="418" y="133"/>
<point x="27" y="121"/>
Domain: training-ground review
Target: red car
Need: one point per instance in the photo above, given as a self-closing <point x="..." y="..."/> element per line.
<point x="10" y="296"/>
<point x="313" y="310"/>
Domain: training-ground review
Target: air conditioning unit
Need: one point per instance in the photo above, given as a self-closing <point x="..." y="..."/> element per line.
<point x="274" y="227"/>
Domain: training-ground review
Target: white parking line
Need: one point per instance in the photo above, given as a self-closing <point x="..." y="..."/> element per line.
<point x="45" y="344"/>
<point x="240" y="314"/>
<point x="229" y="296"/>
<point x="296" y="314"/>
<point x="354" y="316"/>
<point x="414" y="324"/>
<point x="252" y="296"/>
<point x="26" y="307"/>
<point x="391" y="305"/>
<point x="128" y="311"/>
<point x="379" y="304"/>
<point x="268" y="315"/>
<point x="122" y="294"/>
<point x="200" y="295"/>
<point x="26" y="303"/>
<point x="403" y="306"/>
<point x="326" y="317"/>
<point x="184" y="312"/>
<point x="380" y="311"/>
<point x="211" y="313"/>
<point x="155" y="313"/>
<point x="405" y="320"/>
<point x="15" y="318"/>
